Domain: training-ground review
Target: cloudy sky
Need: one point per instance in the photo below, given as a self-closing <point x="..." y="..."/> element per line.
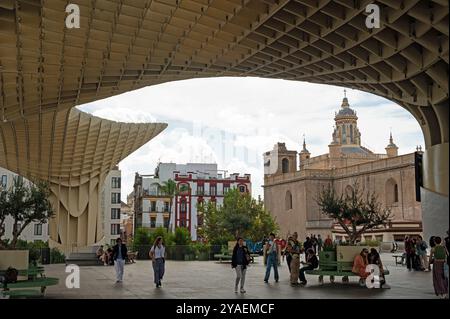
<point x="233" y="121"/>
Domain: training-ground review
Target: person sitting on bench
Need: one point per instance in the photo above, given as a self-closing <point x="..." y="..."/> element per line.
<point x="359" y="266"/>
<point x="311" y="263"/>
<point x="375" y="259"/>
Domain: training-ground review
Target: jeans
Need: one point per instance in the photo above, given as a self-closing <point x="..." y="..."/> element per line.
<point x="240" y="276"/>
<point x="410" y="260"/>
<point x="158" y="270"/>
<point x="118" y="265"/>
<point x="272" y="262"/>
<point x="302" y="273"/>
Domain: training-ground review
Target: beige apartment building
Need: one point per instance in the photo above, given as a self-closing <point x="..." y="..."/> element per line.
<point x="290" y="190"/>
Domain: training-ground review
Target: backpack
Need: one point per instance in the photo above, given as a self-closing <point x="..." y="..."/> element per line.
<point x="314" y="262"/>
<point x="11" y="275"/>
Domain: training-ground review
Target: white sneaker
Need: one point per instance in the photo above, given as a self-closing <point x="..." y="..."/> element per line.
<point x="243" y="291"/>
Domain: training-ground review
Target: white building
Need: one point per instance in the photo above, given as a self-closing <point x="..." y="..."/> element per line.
<point x="110" y="210"/>
<point x="111" y="207"/>
<point x="34" y="231"/>
<point x="196" y="183"/>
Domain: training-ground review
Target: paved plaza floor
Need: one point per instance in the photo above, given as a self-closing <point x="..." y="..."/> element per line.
<point x="210" y="279"/>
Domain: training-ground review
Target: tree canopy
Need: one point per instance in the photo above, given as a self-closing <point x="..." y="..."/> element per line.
<point x="356" y="211"/>
<point x="239" y="216"/>
<point x="25" y="204"/>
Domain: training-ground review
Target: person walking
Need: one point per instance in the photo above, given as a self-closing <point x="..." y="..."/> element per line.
<point x="410" y="251"/>
<point x="287" y="253"/>
<point x="432" y="244"/>
<point x="311" y="263"/>
<point x="294" y="266"/>
<point x="239" y="261"/>
<point x="319" y="243"/>
<point x="314" y="243"/>
<point x="440" y="280"/>
<point x="328" y="242"/>
<point x="272" y="258"/>
<point x="158" y="256"/>
<point x="119" y="255"/>
<point x="421" y="251"/>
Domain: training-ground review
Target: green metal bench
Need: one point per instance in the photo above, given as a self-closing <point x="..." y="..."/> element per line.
<point x="36" y="279"/>
<point x="336" y="269"/>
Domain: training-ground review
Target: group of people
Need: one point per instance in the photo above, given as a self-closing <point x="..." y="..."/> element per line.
<point x="105" y="256"/>
<point x="416" y="255"/>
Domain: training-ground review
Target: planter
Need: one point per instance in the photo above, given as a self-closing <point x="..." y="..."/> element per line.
<point x="325" y="257"/>
<point x="17" y="259"/>
<point x="203" y="256"/>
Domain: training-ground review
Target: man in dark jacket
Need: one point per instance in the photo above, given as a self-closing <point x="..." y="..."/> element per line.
<point x="120" y="254"/>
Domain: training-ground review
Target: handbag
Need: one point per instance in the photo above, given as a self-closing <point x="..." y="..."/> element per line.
<point x="11" y="275"/>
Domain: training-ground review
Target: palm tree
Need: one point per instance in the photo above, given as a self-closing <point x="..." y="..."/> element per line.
<point x="169" y="189"/>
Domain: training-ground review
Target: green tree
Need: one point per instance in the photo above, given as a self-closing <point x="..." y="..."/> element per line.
<point x="356" y="212"/>
<point x="182" y="236"/>
<point x="4" y="211"/>
<point x="28" y="204"/>
<point x="169" y="189"/>
<point x="239" y="216"/>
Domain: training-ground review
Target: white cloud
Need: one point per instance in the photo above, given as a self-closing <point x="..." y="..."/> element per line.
<point x="232" y="121"/>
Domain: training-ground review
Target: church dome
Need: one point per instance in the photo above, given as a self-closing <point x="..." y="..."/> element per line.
<point x="345" y="110"/>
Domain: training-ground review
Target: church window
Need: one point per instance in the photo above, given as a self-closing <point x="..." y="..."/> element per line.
<point x="288" y="200"/>
<point x="285" y="165"/>
<point x="351" y="133"/>
<point x="391" y="190"/>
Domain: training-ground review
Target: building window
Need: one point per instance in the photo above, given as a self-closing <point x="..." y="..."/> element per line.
<point x="152" y="222"/>
<point x="115" y="213"/>
<point x="288" y="200"/>
<point x="113" y="242"/>
<point x="115" y="229"/>
<point x="351" y="133"/>
<point x="183" y="189"/>
<point x="183" y="207"/>
<point x="4" y="181"/>
<point x="285" y="165"/>
<point x="212" y="190"/>
<point x="166" y="222"/>
<point x="391" y="189"/>
<point x="242" y="189"/>
<point x="200" y="190"/>
<point x="115" y="182"/>
<point x="183" y="223"/>
<point x="166" y="206"/>
<point x="38" y="229"/>
<point x="115" y="198"/>
<point x="153" y="206"/>
<point x="226" y="188"/>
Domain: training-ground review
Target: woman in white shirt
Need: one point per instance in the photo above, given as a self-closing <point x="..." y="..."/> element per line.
<point x="158" y="254"/>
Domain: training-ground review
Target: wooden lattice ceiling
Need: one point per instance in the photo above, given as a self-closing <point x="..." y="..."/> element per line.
<point x="122" y="45"/>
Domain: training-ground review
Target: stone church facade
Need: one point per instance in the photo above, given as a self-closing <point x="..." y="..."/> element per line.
<point x="290" y="190"/>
